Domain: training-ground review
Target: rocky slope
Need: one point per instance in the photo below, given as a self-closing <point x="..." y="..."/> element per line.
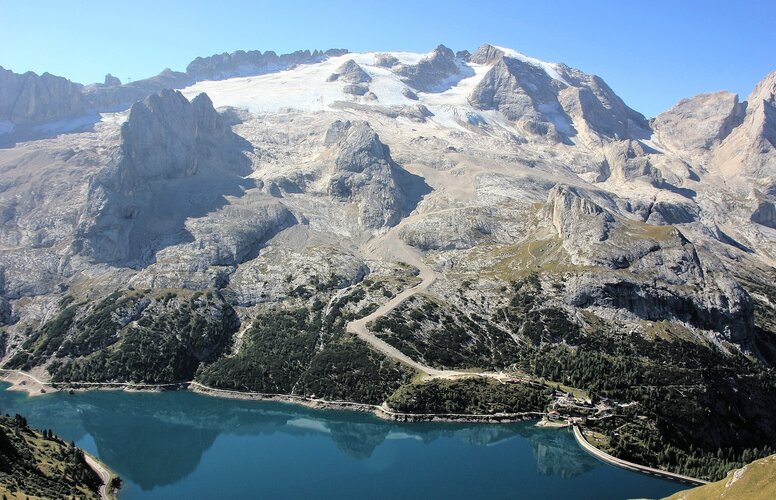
<point x="542" y="222"/>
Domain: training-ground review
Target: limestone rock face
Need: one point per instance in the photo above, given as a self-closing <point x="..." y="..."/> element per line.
<point x="176" y="159"/>
<point x="552" y="100"/>
<point x="453" y="230"/>
<point x="386" y="60"/>
<point x="653" y="255"/>
<point x="356" y="89"/>
<point x="696" y="125"/>
<point x="575" y="216"/>
<point x="750" y="149"/>
<point x="258" y="282"/>
<point x="500" y="167"/>
<point x="111" y="81"/>
<point x="365" y="173"/>
<point x="723" y="306"/>
<point x="31" y="99"/>
<point x="628" y="160"/>
<point x="252" y="62"/>
<point x="350" y="72"/>
<point x="765" y="213"/>
<point x="429" y="72"/>
<point x="112" y="96"/>
<point x="516" y="89"/>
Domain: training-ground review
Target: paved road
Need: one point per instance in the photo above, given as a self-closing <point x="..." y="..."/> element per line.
<point x="391" y="246"/>
<point x="400" y="250"/>
<point x="102" y="472"/>
<point x="630" y="465"/>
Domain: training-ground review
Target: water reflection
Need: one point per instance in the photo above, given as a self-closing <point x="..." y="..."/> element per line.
<point x="155" y="440"/>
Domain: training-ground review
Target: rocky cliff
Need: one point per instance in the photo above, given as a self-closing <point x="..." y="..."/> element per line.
<point x="31" y="98"/>
<point x="176" y="159"/>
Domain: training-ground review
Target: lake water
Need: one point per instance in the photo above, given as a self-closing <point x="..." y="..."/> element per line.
<point x="190" y="446"/>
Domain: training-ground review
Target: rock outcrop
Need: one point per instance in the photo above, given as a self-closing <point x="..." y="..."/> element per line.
<point x="111" y="81"/>
<point x="765" y="213"/>
<point x="177" y="159"/>
<point x="386" y="60"/>
<point x="696" y="125"/>
<point x="356" y="89"/>
<point x="552" y="100"/>
<point x="628" y="161"/>
<point x="661" y="262"/>
<point x="252" y="62"/>
<point x="431" y="71"/>
<point x="486" y="54"/>
<point x="31" y="99"/>
<point x="350" y="72"/>
<point x="116" y="96"/>
<point x="365" y="173"/>
<point x="750" y="149"/>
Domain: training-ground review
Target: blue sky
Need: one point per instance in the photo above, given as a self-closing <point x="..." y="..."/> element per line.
<point x="652" y="53"/>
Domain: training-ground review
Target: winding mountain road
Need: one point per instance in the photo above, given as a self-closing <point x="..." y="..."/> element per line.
<point x="101" y="471"/>
<point x="391" y="246"/>
<point x="401" y="251"/>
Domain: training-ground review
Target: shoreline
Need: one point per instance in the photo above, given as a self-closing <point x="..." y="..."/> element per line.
<point x="624" y="464"/>
<point x="34" y="387"/>
<point x="106" y="490"/>
<point x="19" y="381"/>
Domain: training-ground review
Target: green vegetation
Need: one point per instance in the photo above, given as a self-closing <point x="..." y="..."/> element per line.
<point x="527" y="316"/>
<point x="40" y="465"/>
<point x="470" y="396"/>
<point x="687" y="411"/>
<point x="144" y="337"/>
<point x="701" y="409"/>
<point x="755" y="482"/>
<point x="445" y="336"/>
<point x="303" y="352"/>
<point x="42" y="344"/>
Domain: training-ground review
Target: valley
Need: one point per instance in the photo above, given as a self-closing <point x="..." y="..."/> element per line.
<point x="443" y="235"/>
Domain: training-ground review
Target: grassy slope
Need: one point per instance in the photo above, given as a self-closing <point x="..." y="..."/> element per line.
<point x="36" y="466"/>
<point x="756" y="481"/>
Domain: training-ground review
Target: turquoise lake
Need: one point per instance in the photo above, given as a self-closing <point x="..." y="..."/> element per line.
<point x="190" y="446"/>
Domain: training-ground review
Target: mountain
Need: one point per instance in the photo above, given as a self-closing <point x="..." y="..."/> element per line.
<point x="330" y="223"/>
<point x="34" y="106"/>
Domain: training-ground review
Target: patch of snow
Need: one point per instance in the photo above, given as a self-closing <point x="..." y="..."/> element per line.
<point x="305" y="89"/>
<point x="115" y="118"/>
<point x="652" y="144"/>
<point x="557" y="116"/>
<point x="67" y="125"/>
<point x="403" y="435"/>
<point x="550" y="68"/>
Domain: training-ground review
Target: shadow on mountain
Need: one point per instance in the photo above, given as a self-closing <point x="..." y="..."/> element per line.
<point x="26" y="133"/>
<point x="685" y="192"/>
<point x="178" y="160"/>
<point x="464" y="72"/>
